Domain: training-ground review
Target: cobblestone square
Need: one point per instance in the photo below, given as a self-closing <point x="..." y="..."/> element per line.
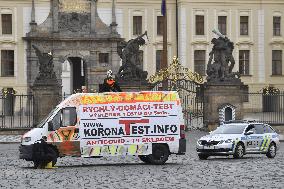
<point x="253" y="171"/>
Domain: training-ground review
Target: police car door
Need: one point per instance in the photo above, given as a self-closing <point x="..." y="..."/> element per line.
<point x="260" y="134"/>
<point x="251" y="142"/>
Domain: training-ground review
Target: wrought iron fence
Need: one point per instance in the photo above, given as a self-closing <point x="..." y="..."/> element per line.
<point x="268" y="108"/>
<point x="16" y="111"/>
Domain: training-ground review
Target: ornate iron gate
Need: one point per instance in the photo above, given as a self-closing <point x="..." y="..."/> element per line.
<point x="190" y="88"/>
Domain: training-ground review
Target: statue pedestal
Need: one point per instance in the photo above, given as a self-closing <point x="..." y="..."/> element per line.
<point x="46" y="97"/>
<point x="223" y="102"/>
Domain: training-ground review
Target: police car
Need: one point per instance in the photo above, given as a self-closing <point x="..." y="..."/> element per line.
<point x="238" y="138"/>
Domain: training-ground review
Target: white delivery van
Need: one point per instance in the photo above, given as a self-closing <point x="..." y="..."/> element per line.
<point x="148" y="124"/>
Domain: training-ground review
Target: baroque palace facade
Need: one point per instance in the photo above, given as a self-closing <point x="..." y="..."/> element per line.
<point x="255" y="27"/>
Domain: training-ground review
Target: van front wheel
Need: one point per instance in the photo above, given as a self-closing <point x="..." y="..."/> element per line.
<point x="160" y="154"/>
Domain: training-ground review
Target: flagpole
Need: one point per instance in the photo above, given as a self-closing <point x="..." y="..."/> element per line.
<point x="165" y="44"/>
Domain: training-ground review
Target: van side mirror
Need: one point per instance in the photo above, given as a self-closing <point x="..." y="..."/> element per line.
<point x="50" y="126"/>
<point x="249" y="132"/>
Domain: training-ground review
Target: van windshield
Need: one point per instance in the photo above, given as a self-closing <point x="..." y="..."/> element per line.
<point x="44" y="120"/>
<point x="230" y="129"/>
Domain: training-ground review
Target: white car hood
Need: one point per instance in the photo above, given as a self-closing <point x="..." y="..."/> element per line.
<point x="218" y="137"/>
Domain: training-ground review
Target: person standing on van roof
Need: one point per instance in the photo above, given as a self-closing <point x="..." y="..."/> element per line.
<point x="110" y="84"/>
<point x="84" y="89"/>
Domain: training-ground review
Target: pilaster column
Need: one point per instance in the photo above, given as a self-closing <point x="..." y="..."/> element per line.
<point x="33" y="22"/>
<point x="94" y="15"/>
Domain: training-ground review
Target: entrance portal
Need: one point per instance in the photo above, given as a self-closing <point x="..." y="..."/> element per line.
<point x="77" y="73"/>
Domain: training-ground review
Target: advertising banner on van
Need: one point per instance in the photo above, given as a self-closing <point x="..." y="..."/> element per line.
<point x="118" y="128"/>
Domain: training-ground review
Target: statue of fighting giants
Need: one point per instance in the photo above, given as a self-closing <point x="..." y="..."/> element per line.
<point x="223" y="64"/>
<point x="129" y="53"/>
<point x="46" y="72"/>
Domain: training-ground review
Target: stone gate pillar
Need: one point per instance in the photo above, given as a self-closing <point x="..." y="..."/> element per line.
<point x="46" y="89"/>
<point x="46" y="97"/>
<point x="217" y="95"/>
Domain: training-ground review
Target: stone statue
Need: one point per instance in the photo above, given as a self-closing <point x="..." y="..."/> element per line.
<point x="223" y="60"/>
<point x="129" y="53"/>
<point x="46" y="72"/>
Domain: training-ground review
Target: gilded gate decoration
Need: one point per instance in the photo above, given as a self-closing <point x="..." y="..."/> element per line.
<point x="176" y="72"/>
<point x="189" y="86"/>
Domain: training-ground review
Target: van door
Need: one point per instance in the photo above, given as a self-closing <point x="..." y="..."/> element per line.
<point x="64" y="132"/>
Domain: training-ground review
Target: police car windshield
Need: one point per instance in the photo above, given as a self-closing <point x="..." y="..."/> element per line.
<point x="230" y="129"/>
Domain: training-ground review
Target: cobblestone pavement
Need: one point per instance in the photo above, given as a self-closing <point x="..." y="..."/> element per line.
<point x="10" y="138"/>
<point x="253" y="171"/>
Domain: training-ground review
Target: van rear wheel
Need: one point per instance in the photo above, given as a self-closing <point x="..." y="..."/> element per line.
<point x="203" y="156"/>
<point x="145" y="159"/>
<point x="160" y="154"/>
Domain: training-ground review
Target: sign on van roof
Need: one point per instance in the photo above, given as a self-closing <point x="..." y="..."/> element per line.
<point x="129" y="97"/>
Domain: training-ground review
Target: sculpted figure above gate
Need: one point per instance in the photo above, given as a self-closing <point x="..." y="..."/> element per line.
<point x="221" y="61"/>
<point x="129" y="53"/>
<point x="46" y="72"/>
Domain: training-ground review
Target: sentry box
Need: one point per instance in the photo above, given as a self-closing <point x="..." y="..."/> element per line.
<point x="147" y="124"/>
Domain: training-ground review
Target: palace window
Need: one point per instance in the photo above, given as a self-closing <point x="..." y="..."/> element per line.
<point x="276" y="25"/>
<point x="222" y="24"/>
<point x="199" y="61"/>
<point x="103" y="58"/>
<point x="276" y="62"/>
<point x="137" y="25"/>
<point x="160" y="25"/>
<point x="7" y="63"/>
<point x="244" y="26"/>
<point x="6" y="23"/>
<point x="159" y="59"/>
<point x="244" y="62"/>
<point x="199" y="24"/>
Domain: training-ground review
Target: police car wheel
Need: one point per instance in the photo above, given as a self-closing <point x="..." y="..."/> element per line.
<point x="145" y="159"/>
<point x="160" y="154"/>
<point x="239" y="151"/>
<point x="203" y="156"/>
<point x="271" y="152"/>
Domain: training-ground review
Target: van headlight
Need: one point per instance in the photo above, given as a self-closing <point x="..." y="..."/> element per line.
<point x="27" y="139"/>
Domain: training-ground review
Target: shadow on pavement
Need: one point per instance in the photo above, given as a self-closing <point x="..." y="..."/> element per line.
<point x="106" y="165"/>
<point x="232" y="159"/>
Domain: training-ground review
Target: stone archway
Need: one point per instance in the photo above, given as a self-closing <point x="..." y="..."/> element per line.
<point x="74" y="33"/>
<point x="73" y="66"/>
